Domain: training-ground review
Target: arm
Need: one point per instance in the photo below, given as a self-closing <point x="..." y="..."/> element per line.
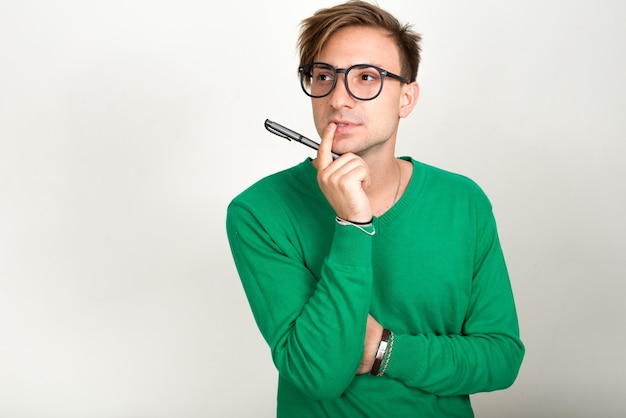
<point x="373" y="336"/>
<point x="315" y="326"/>
<point x="487" y="353"/>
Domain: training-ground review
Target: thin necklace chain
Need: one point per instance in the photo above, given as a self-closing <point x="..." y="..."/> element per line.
<point x="395" y="198"/>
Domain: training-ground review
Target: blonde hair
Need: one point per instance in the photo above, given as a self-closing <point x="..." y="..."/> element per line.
<point x="317" y="29"/>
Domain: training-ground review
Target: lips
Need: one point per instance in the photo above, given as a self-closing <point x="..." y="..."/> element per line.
<point x="342" y="123"/>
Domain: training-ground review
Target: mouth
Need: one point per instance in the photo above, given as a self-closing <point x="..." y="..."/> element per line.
<point x="341" y="123"/>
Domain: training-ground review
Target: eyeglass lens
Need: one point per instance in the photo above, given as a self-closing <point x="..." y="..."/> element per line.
<point x="362" y="81"/>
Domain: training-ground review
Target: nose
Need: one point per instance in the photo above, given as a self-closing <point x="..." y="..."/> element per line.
<point x="340" y="97"/>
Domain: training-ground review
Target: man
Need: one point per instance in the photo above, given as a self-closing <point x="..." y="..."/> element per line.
<point x="378" y="282"/>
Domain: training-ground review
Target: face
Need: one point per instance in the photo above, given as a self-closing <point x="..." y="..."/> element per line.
<point x="370" y="126"/>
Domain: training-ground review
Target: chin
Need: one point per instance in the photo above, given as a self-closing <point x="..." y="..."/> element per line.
<point x="346" y="148"/>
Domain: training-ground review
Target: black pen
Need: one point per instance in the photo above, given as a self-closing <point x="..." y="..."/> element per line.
<point x="280" y="130"/>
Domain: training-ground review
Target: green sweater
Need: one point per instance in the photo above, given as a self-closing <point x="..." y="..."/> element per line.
<point x="433" y="273"/>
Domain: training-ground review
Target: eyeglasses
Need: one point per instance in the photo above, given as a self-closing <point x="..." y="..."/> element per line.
<point x="363" y="81"/>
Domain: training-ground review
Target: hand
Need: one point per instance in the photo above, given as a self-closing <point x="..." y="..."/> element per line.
<point x="343" y="181"/>
<point x="373" y="335"/>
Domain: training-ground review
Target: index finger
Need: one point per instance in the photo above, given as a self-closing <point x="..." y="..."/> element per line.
<point x="324" y="155"/>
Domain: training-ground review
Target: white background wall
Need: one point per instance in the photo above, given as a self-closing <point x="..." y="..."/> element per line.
<point x="127" y="126"/>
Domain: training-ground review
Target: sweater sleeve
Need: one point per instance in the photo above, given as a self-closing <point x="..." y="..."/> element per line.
<point x="305" y="318"/>
<point x="487" y="354"/>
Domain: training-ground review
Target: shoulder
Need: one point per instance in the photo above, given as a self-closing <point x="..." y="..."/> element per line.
<point x="277" y="192"/>
<point x="274" y="183"/>
<point x="276" y="204"/>
<point x="449" y="184"/>
<point x="456" y="198"/>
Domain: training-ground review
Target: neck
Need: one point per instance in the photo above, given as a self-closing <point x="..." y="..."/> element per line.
<point x="388" y="180"/>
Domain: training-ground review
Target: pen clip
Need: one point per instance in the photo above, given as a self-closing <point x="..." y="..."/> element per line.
<point x="289" y="135"/>
<point x="269" y="126"/>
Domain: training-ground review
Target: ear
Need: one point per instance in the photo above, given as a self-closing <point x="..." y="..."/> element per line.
<point x="408" y="99"/>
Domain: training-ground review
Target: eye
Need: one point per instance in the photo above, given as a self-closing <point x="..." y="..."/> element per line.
<point x="369" y="74"/>
<point x="323" y="75"/>
<point x="365" y="75"/>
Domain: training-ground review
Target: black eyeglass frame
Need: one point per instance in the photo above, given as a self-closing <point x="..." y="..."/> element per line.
<point x="304" y="71"/>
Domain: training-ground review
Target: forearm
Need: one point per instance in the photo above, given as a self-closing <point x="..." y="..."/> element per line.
<point x="302" y="313"/>
<point x="320" y="350"/>
<point x="470" y="343"/>
<point x="483" y="353"/>
<point x="456" y="365"/>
